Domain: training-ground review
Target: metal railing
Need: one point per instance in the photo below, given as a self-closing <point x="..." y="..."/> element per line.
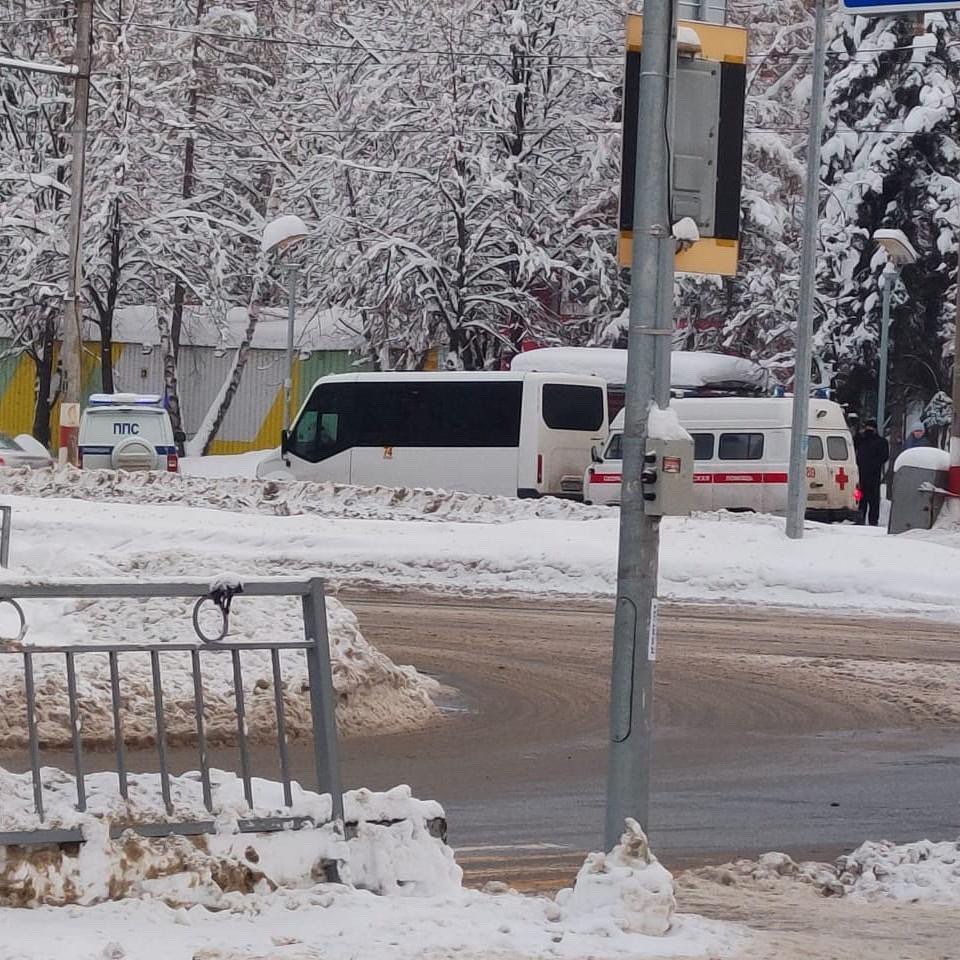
<point x="315" y="646"/>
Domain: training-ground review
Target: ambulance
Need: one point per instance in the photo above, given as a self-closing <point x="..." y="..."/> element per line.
<point x="742" y="454"/>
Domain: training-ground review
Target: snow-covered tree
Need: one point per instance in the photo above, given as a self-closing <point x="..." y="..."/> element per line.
<point x="891" y="159"/>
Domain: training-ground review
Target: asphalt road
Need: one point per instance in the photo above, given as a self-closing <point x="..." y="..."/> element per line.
<point x="756" y="746"/>
<point x="749" y="755"/>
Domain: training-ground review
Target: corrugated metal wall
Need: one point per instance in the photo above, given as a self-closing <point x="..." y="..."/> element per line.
<point x="255" y="416"/>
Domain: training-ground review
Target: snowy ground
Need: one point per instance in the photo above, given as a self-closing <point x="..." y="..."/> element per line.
<point x="462" y="544"/>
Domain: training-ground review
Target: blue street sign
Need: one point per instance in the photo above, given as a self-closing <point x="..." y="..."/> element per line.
<point x="877" y="8"/>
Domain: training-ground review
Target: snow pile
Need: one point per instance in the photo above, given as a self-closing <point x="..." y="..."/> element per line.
<point x="767" y="872"/>
<point x="373" y="694"/>
<point x="626" y="889"/>
<point x="392" y="848"/>
<point x="285" y="498"/>
<point x="926" y="458"/>
<point x="229" y="465"/>
<point x="665" y="425"/>
<point x="923" y="871"/>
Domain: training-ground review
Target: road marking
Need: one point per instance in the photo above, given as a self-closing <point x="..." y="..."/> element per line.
<point x="498" y="847"/>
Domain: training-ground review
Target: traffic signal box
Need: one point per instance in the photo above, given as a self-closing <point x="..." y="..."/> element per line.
<point x="706" y="145"/>
<point x="667" y="477"/>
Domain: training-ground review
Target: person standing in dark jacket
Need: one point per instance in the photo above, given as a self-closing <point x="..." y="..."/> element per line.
<point x="872" y="453"/>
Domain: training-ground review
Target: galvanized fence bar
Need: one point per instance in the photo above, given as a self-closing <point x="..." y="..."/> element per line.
<point x="6" y="518"/>
<point x="281" y="726"/>
<point x="201" y="731"/>
<point x="161" y="729"/>
<point x="75" y="733"/>
<point x="30" y="691"/>
<point x="242" y="729"/>
<point x="221" y="646"/>
<point x="85" y="588"/>
<point x="119" y="745"/>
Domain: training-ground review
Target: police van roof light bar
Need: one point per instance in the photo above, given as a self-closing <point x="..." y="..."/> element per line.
<point x="125" y="400"/>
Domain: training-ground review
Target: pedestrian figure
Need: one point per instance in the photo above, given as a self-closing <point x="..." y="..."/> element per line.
<point x="872" y="453"/>
<point x="918" y="437"/>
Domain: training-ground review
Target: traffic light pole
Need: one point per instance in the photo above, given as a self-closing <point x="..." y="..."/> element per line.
<point x="651" y="300"/>
<point x="797" y="488"/>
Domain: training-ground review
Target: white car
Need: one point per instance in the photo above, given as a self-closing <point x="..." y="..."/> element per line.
<point x="127" y="431"/>
<point x="23" y="452"/>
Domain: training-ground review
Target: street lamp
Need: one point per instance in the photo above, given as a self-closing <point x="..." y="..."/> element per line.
<point x="899" y="252"/>
<point x="280" y="235"/>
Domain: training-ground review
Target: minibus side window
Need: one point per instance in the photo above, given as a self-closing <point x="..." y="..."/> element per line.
<point x="814" y="448"/>
<point x="572" y="407"/>
<point x="837" y="448"/>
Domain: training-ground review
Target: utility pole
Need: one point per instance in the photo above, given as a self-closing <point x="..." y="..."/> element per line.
<point x="634" y="646"/>
<point x="954" y="477"/>
<point x="797" y="489"/>
<point x="72" y="344"/>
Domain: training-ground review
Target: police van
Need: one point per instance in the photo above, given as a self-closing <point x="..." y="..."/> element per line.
<point x="127" y="431"/>
<point x="741" y="457"/>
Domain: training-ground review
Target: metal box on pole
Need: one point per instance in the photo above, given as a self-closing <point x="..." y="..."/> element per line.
<point x="667" y="477"/>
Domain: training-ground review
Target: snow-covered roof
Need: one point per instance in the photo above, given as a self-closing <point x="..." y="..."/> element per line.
<point x="328" y="330"/>
<point x="691" y="370"/>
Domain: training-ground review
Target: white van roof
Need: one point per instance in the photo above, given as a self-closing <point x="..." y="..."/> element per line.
<point x="459" y="376"/>
<point x="688" y="369"/>
<point x="719" y="413"/>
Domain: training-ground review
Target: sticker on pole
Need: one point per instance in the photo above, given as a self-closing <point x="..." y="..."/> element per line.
<point x="652" y="638"/>
<point x="877" y="8"/>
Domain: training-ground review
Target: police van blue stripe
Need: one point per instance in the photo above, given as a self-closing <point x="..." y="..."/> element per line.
<point x="106" y="451"/>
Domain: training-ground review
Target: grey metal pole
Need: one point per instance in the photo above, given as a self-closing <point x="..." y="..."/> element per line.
<point x="887" y="279"/>
<point x="72" y="349"/>
<point x="291" y="269"/>
<point x="631" y="693"/>
<point x="954" y="482"/>
<point x="797" y="489"/>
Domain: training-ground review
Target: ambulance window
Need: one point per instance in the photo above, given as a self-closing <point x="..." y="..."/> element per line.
<point x="814" y="448"/>
<point x="615" y="447"/>
<point x="702" y="446"/>
<point x="741" y="446"/>
<point x="837" y="448"/>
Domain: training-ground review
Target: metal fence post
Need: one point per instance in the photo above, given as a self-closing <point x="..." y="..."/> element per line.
<point x="322" y="698"/>
<point x="6" y="517"/>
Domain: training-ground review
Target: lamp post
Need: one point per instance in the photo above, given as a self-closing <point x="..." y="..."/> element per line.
<point x="280" y="235"/>
<point x="899" y="252"/>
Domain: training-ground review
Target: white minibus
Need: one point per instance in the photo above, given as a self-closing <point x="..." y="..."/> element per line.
<point x="742" y="454"/>
<point x="513" y="434"/>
